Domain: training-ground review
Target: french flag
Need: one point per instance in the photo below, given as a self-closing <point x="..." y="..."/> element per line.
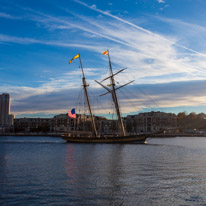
<point x="72" y="114"/>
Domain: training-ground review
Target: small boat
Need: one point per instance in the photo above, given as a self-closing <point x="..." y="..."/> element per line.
<point x="93" y="136"/>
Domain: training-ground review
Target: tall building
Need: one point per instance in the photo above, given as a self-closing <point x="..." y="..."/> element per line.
<point x="6" y="119"/>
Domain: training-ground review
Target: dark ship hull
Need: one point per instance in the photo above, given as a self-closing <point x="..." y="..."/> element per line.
<point x="107" y="139"/>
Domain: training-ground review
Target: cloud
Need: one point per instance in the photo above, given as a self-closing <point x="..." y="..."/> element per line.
<point x="161" y="1"/>
<point x="20" y="40"/>
<point x="189" y="33"/>
<point x="93" y="6"/>
<point x="8" y="16"/>
<point x="132" y="98"/>
<point x="147" y="46"/>
<point x="138" y="27"/>
<point x="152" y="59"/>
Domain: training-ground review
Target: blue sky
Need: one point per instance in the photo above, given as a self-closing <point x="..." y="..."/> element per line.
<point x="161" y="42"/>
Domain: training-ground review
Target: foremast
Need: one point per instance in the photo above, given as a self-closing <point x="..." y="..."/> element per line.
<point x="85" y="85"/>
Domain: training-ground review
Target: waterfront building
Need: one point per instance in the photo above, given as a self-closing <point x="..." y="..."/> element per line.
<point x="63" y="123"/>
<point x="152" y="122"/>
<point x="6" y="119"/>
<point x="58" y="124"/>
<point x="33" y="124"/>
<point x="106" y="126"/>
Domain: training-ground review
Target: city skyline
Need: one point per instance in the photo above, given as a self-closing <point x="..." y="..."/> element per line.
<point x="161" y="42"/>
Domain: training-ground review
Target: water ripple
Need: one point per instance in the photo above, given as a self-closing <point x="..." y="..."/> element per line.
<point x="45" y="171"/>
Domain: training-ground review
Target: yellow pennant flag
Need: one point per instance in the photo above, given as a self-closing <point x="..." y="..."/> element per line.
<point x="75" y="57"/>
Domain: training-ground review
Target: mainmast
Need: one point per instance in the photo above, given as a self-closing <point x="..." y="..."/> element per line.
<point x="113" y="92"/>
<point x="85" y="85"/>
<point x="114" y="97"/>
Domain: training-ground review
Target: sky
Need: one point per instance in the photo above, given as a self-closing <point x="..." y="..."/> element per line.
<point x="162" y="43"/>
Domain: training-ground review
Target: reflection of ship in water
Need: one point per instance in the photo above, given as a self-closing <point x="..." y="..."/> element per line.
<point x="70" y="163"/>
<point x="90" y="178"/>
<point x="94" y="137"/>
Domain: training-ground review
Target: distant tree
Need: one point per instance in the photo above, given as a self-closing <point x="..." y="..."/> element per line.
<point x="201" y="115"/>
<point x="191" y="121"/>
<point x="193" y="115"/>
<point x="181" y="115"/>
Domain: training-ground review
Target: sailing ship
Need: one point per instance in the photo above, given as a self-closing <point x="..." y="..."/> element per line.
<point x="94" y="137"/>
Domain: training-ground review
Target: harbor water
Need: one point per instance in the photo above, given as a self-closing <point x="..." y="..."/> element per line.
<point x="48" y="171"/>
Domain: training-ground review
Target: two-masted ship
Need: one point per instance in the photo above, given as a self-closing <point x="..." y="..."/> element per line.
<point x="94" y="137"/>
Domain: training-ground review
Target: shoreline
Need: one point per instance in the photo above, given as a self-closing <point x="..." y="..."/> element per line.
<point x="33" y="134"/>
<point x="149" y="136"/>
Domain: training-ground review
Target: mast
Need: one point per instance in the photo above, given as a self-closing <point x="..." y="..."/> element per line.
<point x="85" y="85"/>
<point x="114" y="97"/>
